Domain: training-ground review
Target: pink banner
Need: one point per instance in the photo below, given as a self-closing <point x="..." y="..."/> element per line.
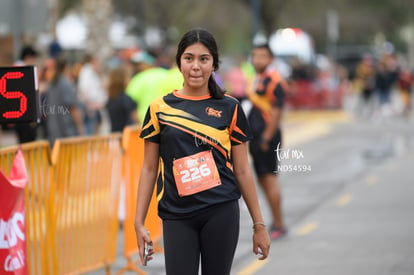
<point x="12" y="219"/>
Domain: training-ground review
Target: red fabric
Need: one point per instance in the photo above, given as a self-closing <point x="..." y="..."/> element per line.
<point x="12" y="219"/>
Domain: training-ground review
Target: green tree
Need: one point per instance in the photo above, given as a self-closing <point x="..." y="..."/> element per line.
<point x="98" y="14"/>
<point x="231" y="21"/>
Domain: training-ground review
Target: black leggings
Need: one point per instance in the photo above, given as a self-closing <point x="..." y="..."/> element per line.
<point x="213" y="234"/>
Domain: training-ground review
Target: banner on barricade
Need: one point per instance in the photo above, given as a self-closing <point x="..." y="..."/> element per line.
<point x="12" y="219"/>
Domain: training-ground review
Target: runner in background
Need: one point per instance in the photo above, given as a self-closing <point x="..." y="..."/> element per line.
<point x="265" y="118"/>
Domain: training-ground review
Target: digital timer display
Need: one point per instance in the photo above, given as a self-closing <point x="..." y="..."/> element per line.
<point x="19" y="96"/>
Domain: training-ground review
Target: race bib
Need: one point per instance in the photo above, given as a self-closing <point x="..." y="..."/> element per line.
<point x="195" y="173"/>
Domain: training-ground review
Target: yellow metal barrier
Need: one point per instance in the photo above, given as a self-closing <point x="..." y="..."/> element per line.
<point x="39" y="194"/>
<point x="132" y="162"/>
<point x="72" y="200"/>
<point x="87" y="176"/>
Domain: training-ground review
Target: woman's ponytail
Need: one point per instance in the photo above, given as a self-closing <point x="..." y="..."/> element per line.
<point x="215" y="90"/>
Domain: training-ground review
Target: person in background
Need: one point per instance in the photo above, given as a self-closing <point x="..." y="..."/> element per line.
<point x="365" y="79"/>
<point x="173" y="79"/>
<point x="46" y="73"/>
<point x="28" y="56"/>
<point x="91" y="93"/>
<point x="405" y="84"/>
<point x="386" y="77"/>
<point x="145" y="85"/>
<point x="236" y="82"/>
<point x="55" y="49"/>
<point x="27" y="132"/>
<point x="61" y="108"/>
<point x="265" y="121"/>
<point x="121" y="108"/>
<point x="195" y="139"/>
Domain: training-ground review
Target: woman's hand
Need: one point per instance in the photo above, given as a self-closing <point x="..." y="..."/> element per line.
<point x="143" y="239"/>
<point x="261" y="242"/>
<point x="145" y="189"/>
<point x="244" y="176"/>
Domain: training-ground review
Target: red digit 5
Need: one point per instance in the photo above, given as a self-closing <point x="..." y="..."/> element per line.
<point x="13" y="95"/>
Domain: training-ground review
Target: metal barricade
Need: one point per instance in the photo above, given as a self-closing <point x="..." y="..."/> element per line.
<point x="72" y="200"/>
<point x="133" y="158"/>
<point x="39" y="196"/>
<point x="87" y="175"/>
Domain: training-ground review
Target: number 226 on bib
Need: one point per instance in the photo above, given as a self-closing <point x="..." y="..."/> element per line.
<point x="195" y="173"/>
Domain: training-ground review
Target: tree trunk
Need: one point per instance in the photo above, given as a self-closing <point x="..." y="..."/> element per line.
<point x="98" y="19"/>
<point x="271" y="11"/>
<point x="53" y="17"/>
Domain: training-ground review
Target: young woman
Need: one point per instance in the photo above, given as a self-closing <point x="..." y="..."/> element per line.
<point x="121" y="108"/>
<point x="196" y="139"/>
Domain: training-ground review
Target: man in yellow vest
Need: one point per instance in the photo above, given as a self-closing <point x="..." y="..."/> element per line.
<point x="145" y="85"/>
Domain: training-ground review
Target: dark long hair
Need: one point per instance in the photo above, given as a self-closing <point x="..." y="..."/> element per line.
<point x="204" y="37"/>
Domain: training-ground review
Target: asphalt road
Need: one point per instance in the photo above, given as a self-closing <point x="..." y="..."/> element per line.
<point x="353" y="212"/>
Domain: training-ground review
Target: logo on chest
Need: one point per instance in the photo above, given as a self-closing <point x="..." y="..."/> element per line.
<point x="213" y="112"/>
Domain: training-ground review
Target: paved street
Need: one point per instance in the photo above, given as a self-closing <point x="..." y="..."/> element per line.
<point x="352" y="214"/>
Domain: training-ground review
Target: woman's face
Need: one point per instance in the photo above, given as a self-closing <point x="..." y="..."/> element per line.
<point x="196" y="67"/>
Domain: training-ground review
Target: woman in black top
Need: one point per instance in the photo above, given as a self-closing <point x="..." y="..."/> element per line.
<point x="121" y="108"/>
<point x="195" y="149"/>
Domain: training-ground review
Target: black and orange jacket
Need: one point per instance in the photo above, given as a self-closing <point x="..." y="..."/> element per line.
<point x="269" y="92"/>
<point x="183" y="126"/>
